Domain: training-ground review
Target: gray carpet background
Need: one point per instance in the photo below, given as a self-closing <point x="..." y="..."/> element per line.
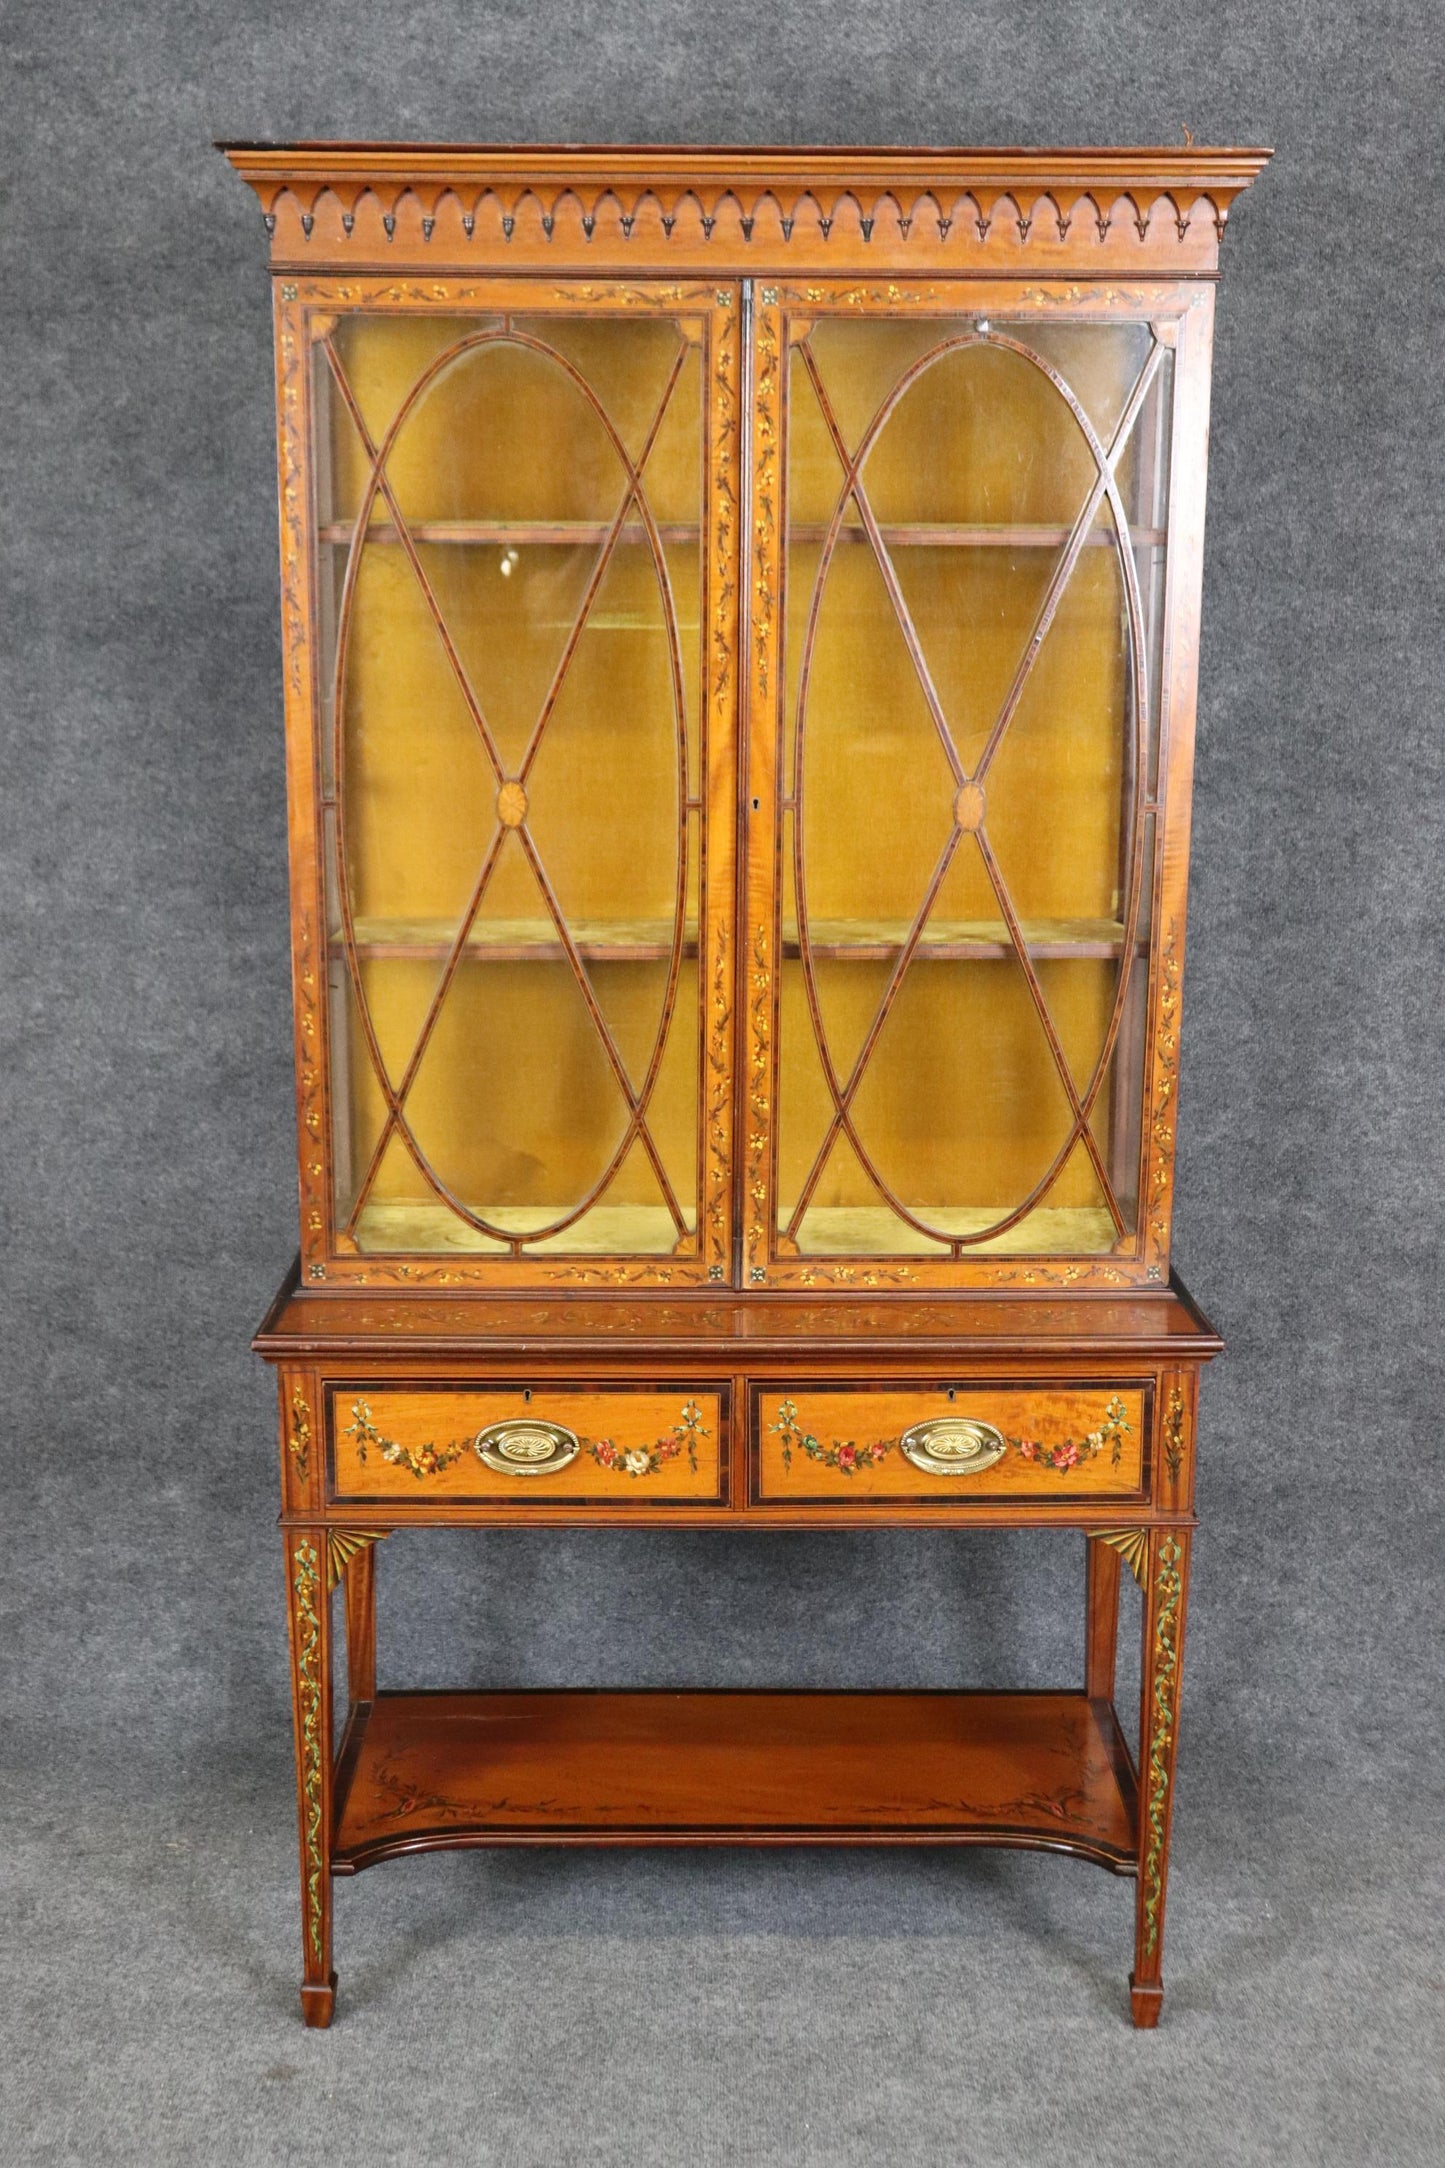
<point x="555" y="2008"/>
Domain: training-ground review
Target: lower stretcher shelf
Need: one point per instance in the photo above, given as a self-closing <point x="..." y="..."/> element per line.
<point x="423" y="1771"/>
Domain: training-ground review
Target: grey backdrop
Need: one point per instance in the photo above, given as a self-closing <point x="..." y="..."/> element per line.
<point x="805" y="2008"/>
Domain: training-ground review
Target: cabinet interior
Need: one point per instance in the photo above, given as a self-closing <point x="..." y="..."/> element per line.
<point x="522" y="766"/>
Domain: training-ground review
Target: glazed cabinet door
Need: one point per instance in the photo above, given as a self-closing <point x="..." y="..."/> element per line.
<point x="977" y="522"/>
<point x="510" y="525"/>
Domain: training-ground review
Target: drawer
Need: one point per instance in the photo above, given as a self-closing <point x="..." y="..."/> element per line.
<point x="612" y="1444"/>
<point x="936" y="1445"/>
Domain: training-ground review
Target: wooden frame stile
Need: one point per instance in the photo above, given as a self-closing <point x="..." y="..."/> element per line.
<point x="747" y="1379"/>
<point x="310" y="1003"/>
<point x="1189" y="454"/>
<point x="759" y="1006"/>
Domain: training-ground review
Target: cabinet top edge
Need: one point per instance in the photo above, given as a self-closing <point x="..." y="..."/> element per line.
<point x="1208" y="169"/>
<point x="733" y="1325"/>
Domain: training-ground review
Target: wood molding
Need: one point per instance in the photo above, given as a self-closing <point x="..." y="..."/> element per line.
<point x="325" y="201"/>
<point x="949" y="182"/>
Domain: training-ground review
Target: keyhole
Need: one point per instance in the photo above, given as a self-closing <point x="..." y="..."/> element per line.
<point x="527" y="1395"/>
<point x="952" y="1393"/>
<point x="757" y="802"/>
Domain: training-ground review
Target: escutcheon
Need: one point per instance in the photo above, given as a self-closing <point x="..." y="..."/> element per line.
<point x="953" y="1445"/>
<point x="526" y="1448"/>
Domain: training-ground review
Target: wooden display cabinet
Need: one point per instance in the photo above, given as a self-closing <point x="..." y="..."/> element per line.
<point x="740" y="616"/>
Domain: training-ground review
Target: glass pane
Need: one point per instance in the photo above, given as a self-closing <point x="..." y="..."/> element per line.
<point x="973" y="635"/>
<point x="510" y="514"/>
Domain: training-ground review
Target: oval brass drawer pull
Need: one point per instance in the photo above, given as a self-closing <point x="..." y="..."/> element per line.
<point x="526" y="1446"/>
<point x="953" y="1445"/>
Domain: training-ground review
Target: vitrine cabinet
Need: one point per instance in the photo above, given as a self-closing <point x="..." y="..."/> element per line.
<point x="740" y="616"/>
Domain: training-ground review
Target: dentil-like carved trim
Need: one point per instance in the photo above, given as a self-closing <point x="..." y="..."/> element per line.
<point x="1018" y="193"/>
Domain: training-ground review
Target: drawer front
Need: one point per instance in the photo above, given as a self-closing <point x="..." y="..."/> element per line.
<point x="611" y="1445"/>
<point x="928" y="1445"/>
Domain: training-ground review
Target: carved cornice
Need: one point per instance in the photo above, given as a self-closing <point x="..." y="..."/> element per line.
<point x="1017" y="192"/>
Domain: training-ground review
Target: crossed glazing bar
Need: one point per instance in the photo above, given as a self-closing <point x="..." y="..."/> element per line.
<point x="1105" y="485"/>
<point x="378" y="483"/>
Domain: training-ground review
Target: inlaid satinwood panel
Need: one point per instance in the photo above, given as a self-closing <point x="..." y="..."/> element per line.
<point x="428" y="1444"/>
<point x="947" y="1445"/>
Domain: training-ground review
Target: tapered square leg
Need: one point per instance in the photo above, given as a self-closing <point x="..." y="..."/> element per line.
<point x="1102" y="1620"/>
<point x="309" y="1609"/>
<point x="1166" y="1593"/>
<point x="359" y="1587"/>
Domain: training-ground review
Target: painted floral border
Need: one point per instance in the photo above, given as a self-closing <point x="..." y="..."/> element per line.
<point x="848" y="1456"/>
<point x="630" y="1460"/>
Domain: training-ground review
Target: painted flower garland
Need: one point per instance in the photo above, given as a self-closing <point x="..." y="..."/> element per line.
<point x="639" y="1460"/>
<point x="1111" y="1433"/>
<point x="422" y="1460"/>
<point x="843" y="1454"/>
<point x="629" y="1460"/>
<point x="847" y="1456"/>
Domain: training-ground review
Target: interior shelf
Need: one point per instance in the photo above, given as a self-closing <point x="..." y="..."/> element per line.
<point x="640" y="940"/>
<point x="520" y="940"/>
<point x="404" y="1227"/>
<point x="569" y="533"/>
<point x="872" y="1230"/>
<point x="938" y="535"/>
<point x="428" y="1228"/>
<point x="514" y="534"/>
<point x="420" y="1772"/>
<point x="959" y="940"/>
